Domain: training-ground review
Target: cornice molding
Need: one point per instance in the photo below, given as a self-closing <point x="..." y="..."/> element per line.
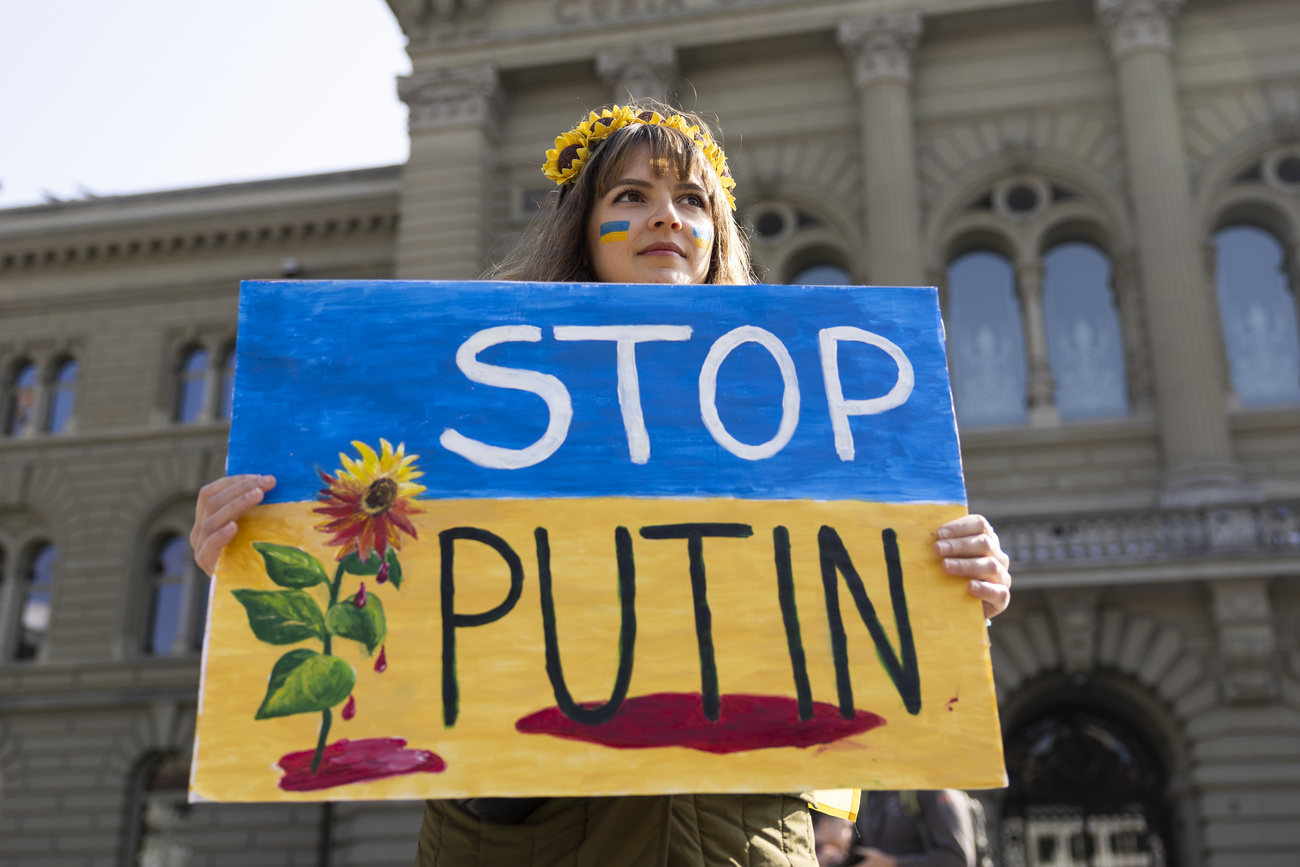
<point x="457" y="96"/>
<point x="1134" y="25"/>
<point x="152" y="244"/>
<point x="881" y="46"/>
<point x="425" y="21"/>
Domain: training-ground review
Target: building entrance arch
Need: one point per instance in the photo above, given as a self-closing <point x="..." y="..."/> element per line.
<point x="1086" y="789"/>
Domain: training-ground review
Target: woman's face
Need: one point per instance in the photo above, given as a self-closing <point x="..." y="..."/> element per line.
<point x="649" y="229"/>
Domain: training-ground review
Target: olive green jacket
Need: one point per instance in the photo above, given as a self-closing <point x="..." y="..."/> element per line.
<point x="649" y="831"/>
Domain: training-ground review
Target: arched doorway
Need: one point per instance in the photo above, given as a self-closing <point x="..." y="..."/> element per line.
<point x="1086" y="790"/>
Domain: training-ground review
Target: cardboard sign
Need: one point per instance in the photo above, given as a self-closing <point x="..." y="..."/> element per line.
<point x="534" y="539"/>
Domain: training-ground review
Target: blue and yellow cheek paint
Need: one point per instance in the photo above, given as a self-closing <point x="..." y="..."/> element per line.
<point x="702" y="237"/>
<point x="614" y="230"/>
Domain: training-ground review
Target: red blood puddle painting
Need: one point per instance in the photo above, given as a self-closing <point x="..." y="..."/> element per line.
<point x="346" y="761"/>
<point x="668" y="719"/>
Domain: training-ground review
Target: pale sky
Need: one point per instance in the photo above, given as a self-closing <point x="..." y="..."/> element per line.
<point x="132" y="96"/>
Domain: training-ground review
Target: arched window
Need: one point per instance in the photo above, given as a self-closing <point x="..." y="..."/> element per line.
<point x="1259" y="317"/>
<point x="986" y="341"/>
<point x="192" y="386"/>
<point x="63" y="394"/>
<point x="38" y="586"/>
<point x="227" y="384"/>
<point x="159" y="818"/>
<point x="1084" y="789"/>
<point x="1084" y="341"/>
<point x="167" y="627"/>
<point x="20" y="398"/>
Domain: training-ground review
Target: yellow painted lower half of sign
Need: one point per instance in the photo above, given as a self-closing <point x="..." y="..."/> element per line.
<point x="394" y="733"/>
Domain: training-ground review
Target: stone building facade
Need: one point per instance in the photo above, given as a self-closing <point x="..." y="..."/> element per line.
<point x="1107" y="194"/>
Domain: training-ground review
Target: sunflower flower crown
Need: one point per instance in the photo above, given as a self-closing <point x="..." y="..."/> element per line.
<point x="573" y="148"/>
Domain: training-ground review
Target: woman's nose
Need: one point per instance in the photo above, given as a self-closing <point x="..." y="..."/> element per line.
<point x="666" y="215"/>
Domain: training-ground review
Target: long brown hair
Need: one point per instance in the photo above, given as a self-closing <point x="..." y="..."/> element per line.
<point x="554" y="248"/>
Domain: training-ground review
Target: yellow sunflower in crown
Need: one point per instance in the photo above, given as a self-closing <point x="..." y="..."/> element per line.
<point x="370" y="500"/>
<point x="565" y="160"/>
<point x="598" y="127"/>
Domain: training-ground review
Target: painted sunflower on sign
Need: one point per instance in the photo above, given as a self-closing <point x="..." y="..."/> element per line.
<point x="369" y="501"/>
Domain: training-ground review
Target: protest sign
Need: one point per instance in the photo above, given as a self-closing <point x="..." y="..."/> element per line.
<point x="533" y="539"/>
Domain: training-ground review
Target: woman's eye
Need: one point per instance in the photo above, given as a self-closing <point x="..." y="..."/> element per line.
<point x="628" y="196"/>
<point x="694" y="200"/>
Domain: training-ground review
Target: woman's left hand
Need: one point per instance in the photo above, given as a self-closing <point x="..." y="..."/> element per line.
<point x="970" y="549"/>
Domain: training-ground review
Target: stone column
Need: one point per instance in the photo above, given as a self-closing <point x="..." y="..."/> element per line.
<point x="447" y="186"/>
<point x="639" y="71"/>
<point x="880" y="48"/>
<point x="1042" y="388"/>
<point x="1199" y="464"/>
<point x="1137" y="362"/>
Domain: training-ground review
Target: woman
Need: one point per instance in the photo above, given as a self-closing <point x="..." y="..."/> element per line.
<point x="644" y="197"/>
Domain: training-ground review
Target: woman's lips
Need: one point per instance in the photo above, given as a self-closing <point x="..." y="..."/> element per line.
<point x="663" y="249"/>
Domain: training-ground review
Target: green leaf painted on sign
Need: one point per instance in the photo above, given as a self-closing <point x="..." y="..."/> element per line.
<point x="353" y="565"/>
<point x="291" y="567"/>
<point x="282" y="616"/>
<point x="304" y="681"/>
<point x="394" y="568"/>
<point x="366" y="625"/>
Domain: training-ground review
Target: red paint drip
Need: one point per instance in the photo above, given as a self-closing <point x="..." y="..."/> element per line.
<point x="360" y="599"/>
<point x="381" y="664"/>
<point x="382" y="575"/>
<point x="344" y="762"/>
<point x="952" y="701"/>
<point x="745" y="722"/>
<point x="350" y="709"/>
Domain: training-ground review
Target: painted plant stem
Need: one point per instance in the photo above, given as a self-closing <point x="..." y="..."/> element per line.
<point x="326" y="718"/>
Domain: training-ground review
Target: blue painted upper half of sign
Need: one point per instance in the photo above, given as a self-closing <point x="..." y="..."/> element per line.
<point x="321" y="364"/>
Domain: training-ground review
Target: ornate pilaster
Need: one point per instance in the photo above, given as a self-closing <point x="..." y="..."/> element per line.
<point x="881" y="46"/>
<point x="880" y="49"/>
<point x="449" y="177"/>
<point x="1243" y="616"/>
<point x="1042" y="388"/>
<point x="446" y="97"/>
<point x="1137" y="361"/>
<point x="1199" y="463"/>
<point x="638" y="71"/>
<point x="1133" y="25"/>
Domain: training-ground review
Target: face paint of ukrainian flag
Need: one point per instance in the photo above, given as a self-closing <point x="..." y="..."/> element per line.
<point x="662" y="541"/>
<point x="614" y="230"/>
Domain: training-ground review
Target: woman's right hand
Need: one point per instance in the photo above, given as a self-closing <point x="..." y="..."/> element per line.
<point x="220" y="505"/>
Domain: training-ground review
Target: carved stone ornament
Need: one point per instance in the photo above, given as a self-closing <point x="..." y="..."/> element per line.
<point x="881" y="46"/>
<point x="450" y="97"/>
<point x="1243" y="614"/>
<point x="1075" y="616"/>
<point x="1132" y="24"/>
<point x="439" y="20"/>
<point x="639" y="71"/>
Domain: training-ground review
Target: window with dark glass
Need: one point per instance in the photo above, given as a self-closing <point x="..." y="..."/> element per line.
<point x="20" y="398"/>
<point x="192" y="386"/>
<point x="63" y="395"/>
<point x="986" y="341"/>
<point x="168" y="569"/>
<point x="822" y="274"/>
<point x="227" y="384"/>
<point x="1084" y="342"/>
<point x="1258" y="315"/>
<point x="34" y="614"/>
